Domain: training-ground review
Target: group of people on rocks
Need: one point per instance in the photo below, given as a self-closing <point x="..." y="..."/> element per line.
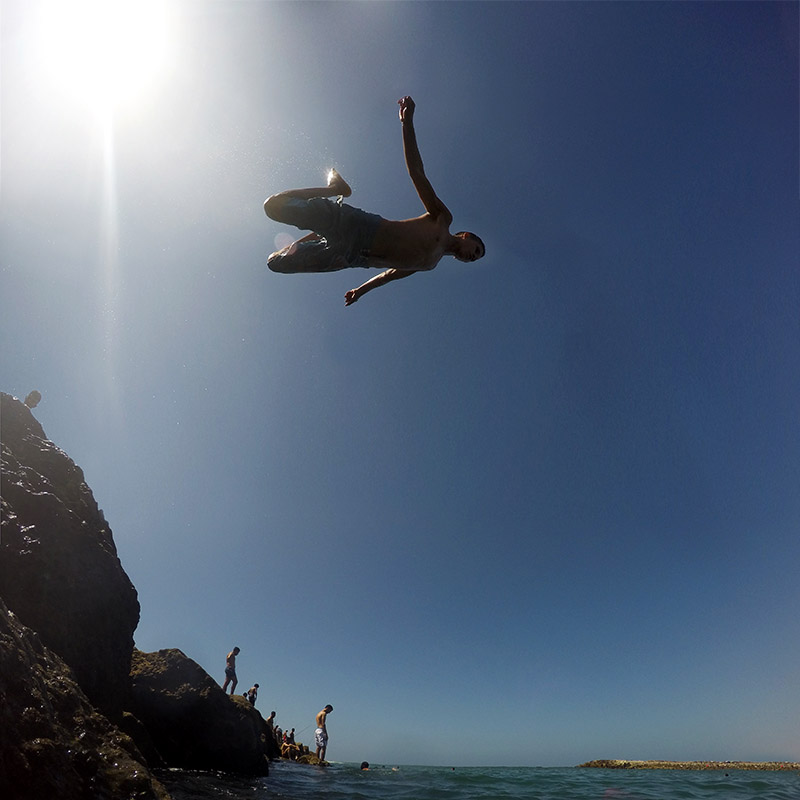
<point x="284" y="739"/>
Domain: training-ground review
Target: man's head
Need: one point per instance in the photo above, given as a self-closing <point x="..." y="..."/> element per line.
<point x="467" y="246"/>
<point x="328" y="709"/>
<point x="236" y="651"/>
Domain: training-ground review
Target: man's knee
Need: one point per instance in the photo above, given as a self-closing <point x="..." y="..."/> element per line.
<point x="278" y="262"/>
<point x="273" y="206"/>
<point x="276" y="265"/>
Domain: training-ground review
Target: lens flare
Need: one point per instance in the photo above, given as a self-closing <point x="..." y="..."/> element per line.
<point x="104" y="51"/>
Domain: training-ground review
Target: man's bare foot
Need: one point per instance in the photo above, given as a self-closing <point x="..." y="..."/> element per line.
<point x="338" y="184"/>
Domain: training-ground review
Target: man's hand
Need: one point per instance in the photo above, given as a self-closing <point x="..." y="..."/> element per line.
<point x="407" y="107"/>
<point x="351" y="296"/>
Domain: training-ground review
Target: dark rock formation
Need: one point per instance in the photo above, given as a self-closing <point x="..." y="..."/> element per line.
<point x="53" y="744"/>
<point x="192" y="722"/>
<point x="310" y="758"/>
<point x="60" y="577"/>
<point x="59" y="570"/>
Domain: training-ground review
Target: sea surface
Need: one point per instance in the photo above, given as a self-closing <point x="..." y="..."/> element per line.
<point x="288" y="781"/>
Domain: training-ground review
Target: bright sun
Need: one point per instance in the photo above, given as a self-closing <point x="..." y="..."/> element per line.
<point x="105" y="51"/>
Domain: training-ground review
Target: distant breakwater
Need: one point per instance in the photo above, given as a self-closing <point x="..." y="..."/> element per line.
<point x="766" y="766"/>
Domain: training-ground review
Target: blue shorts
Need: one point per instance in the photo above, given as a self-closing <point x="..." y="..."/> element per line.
<point x="347" y="233"/>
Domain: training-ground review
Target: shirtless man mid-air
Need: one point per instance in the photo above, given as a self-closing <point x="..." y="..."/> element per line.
<point x="343" y="236"/>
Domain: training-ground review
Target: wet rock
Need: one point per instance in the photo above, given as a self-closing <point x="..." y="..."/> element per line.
<point x="53" y="743"/>
<point x="310" y="758"/>
<point x="59" y="570"/>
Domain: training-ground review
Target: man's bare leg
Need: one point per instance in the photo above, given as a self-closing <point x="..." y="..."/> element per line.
<point x="337" y="187"/>
<point x="285" y="250"/>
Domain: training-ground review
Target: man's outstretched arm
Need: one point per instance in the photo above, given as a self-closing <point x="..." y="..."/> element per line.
<point x="373" y="283"/>
<point x="416" y="171"/>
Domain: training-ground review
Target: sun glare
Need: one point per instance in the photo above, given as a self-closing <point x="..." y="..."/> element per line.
<point x="107" y="52"/>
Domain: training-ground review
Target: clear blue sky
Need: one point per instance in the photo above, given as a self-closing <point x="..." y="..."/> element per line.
<point x="534" y="510"/>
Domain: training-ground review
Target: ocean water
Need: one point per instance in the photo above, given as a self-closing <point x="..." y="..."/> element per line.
<point x="289" y="781"/>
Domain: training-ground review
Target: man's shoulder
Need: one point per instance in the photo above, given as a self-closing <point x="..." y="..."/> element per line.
<point x="440" y="217"/>
<point x="425" y="225"/>
<point x="440" y="214"/>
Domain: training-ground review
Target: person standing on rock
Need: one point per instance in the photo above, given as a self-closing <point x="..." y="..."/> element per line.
<point x="230" y="670"/>
<point x="321" y="733"/>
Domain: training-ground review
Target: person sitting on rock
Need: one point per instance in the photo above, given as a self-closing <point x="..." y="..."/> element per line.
<point x="290" y="751"/>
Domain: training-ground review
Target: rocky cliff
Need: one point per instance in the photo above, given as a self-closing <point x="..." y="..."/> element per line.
<point x="59" y="570"/>
<point x="67" y="616"/>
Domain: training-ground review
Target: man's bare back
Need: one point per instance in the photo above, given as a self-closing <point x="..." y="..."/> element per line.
<point x="320" y="719"/>
<point x="399" y="247"/>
